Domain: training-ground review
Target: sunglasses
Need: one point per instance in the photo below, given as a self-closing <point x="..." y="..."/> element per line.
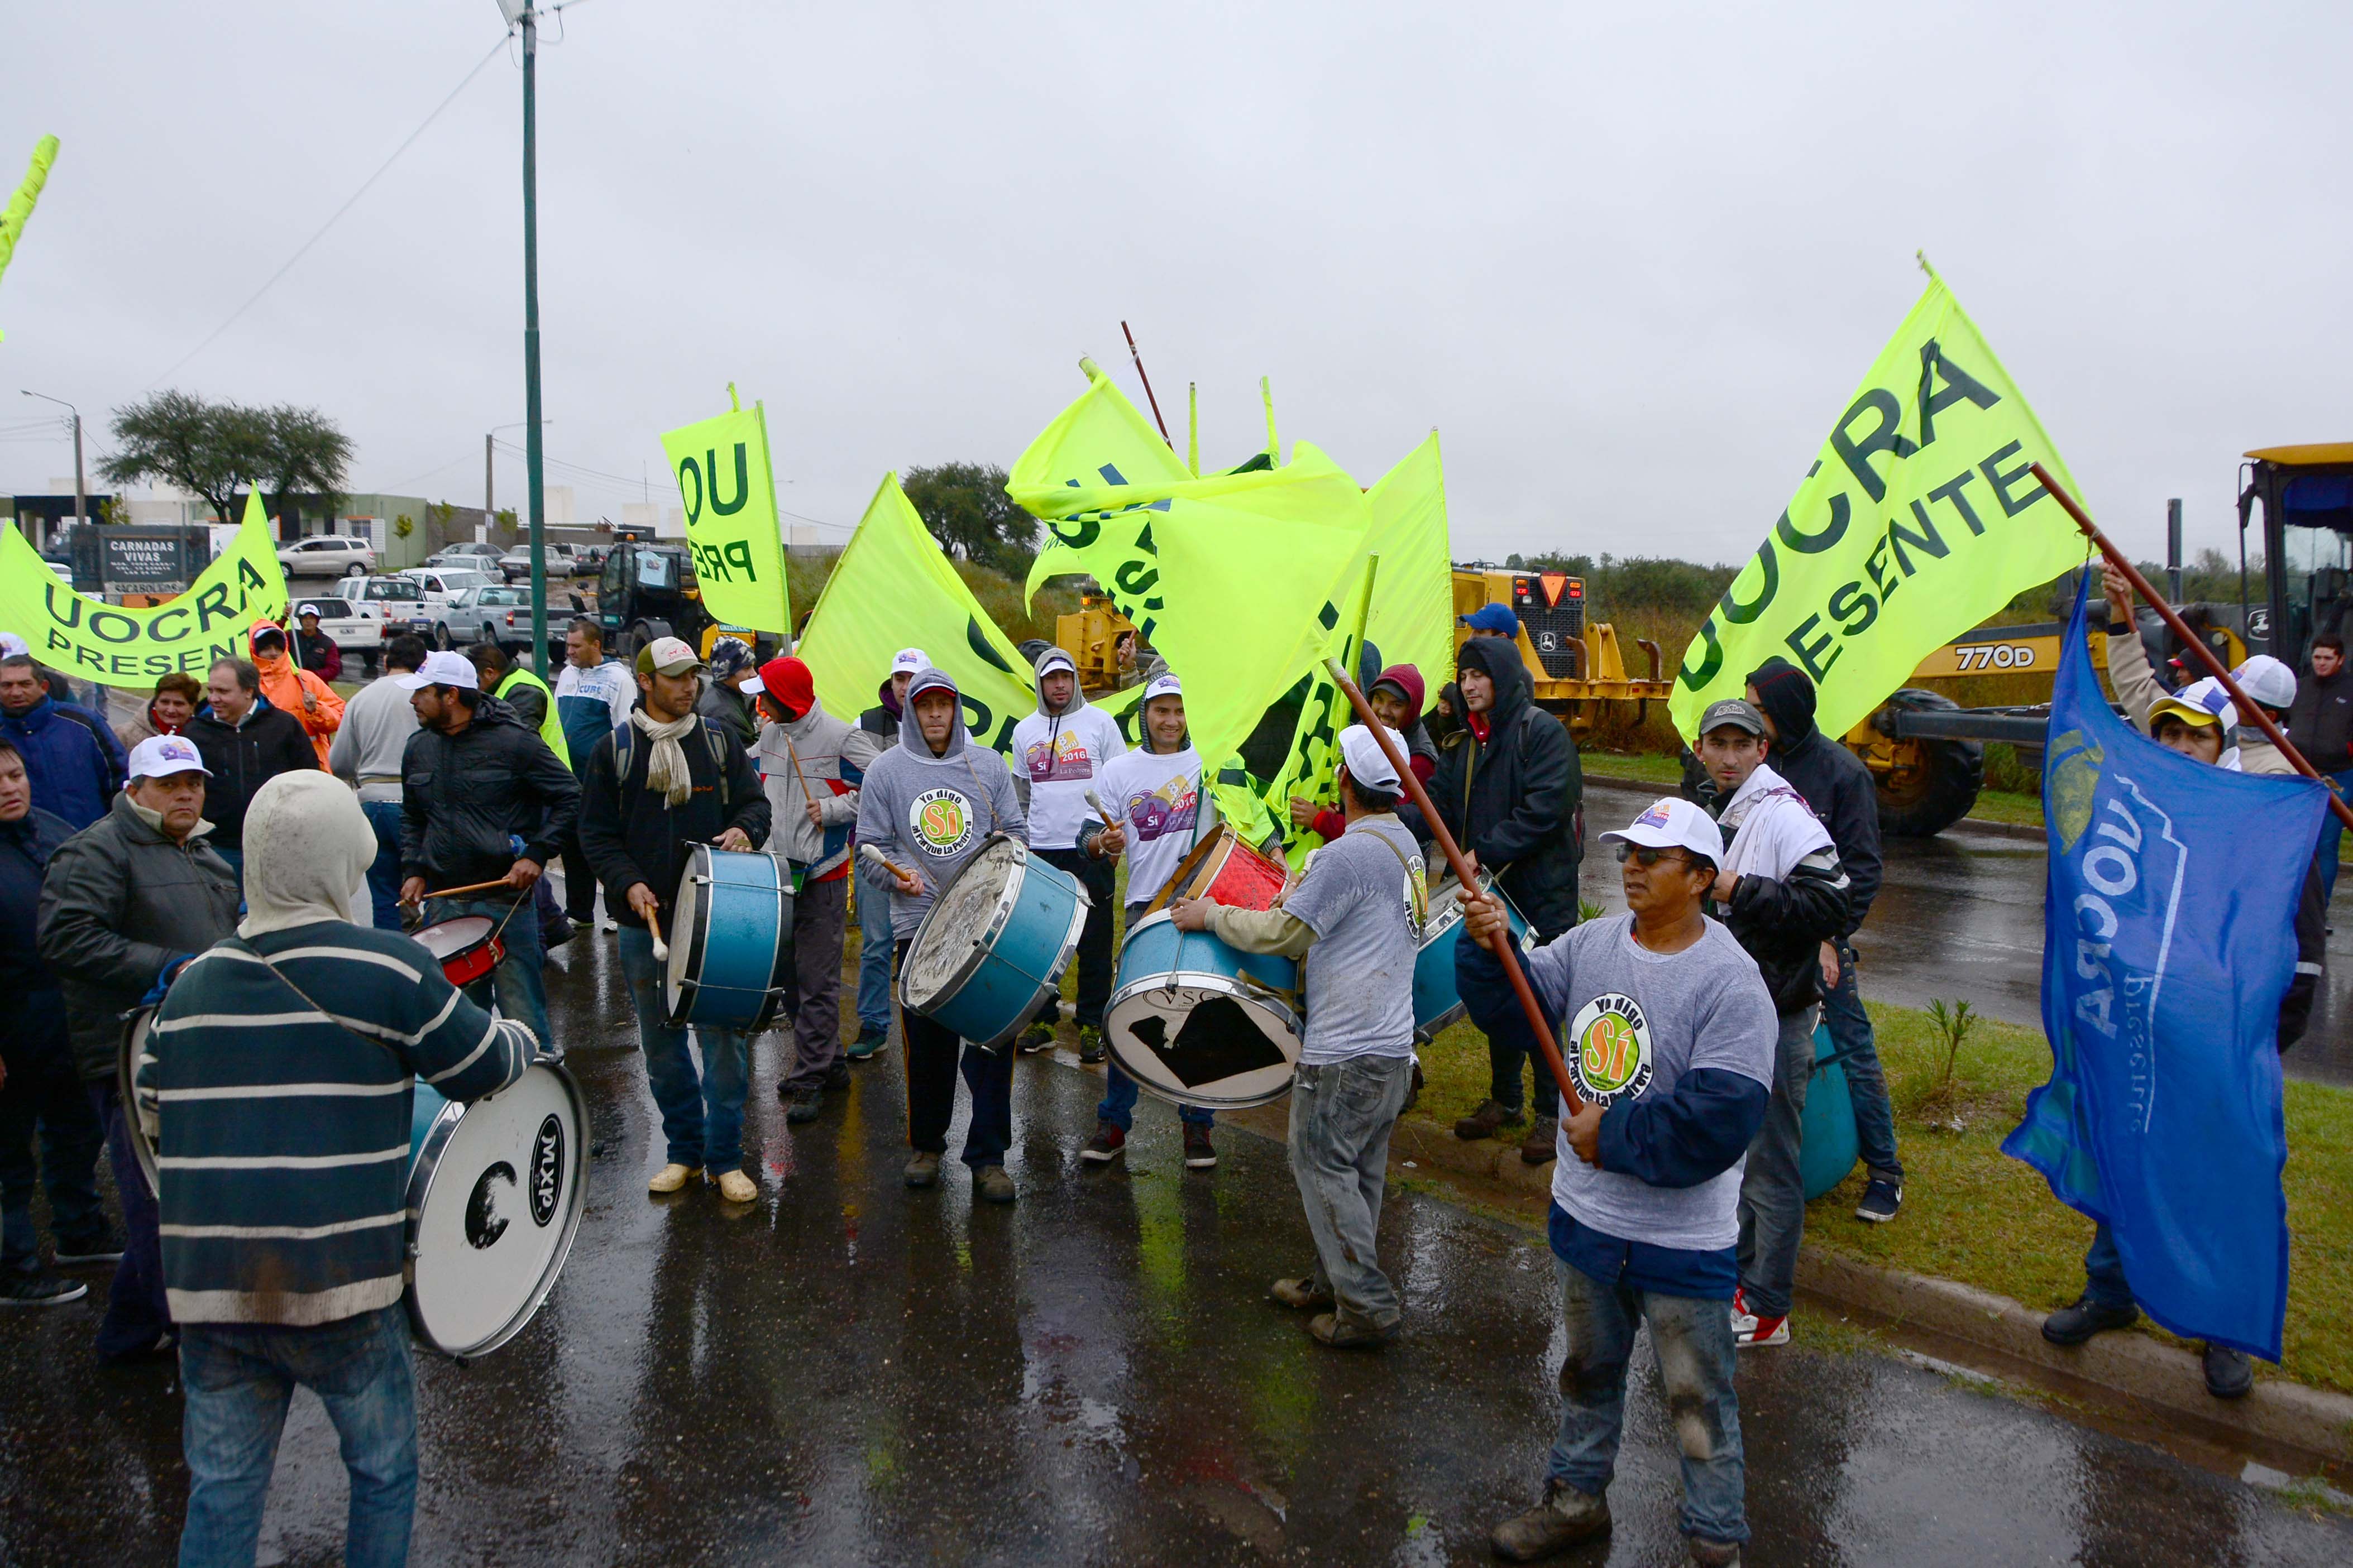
<point x="1647" y="855"/>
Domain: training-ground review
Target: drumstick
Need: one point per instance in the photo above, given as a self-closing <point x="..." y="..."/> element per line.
<point x="661" y="948"/>
<point x="1501" y="946"/>
<point x="469" y="887"/>
<point x="874" y="856"/>
<point x="1102" y="810"/>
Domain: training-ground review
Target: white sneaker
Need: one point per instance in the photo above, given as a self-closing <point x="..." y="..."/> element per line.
<point x="1750" y="1332"/>
<point x="609" y="925"/>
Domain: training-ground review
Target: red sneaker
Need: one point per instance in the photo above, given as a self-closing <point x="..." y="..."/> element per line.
<point x="1750" y="1330"/>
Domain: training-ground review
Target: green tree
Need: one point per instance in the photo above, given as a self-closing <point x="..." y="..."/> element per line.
<point x="965" y="508"/>
<point x="216" y="449"/>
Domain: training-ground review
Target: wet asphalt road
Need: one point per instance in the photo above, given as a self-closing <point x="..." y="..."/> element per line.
<point x="1960" y="916"/>
<point x="849" y="1372"/>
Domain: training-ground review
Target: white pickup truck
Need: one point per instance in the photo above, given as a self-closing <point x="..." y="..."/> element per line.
<point x="363" y="612"/>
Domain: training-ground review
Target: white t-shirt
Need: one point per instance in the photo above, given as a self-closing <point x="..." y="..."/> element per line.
<point x="1364" y="897"/>
<point x="1063" y="757"/>
<point x="1159" y="795"/>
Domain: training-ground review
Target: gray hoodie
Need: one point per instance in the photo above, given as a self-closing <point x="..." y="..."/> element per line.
<point x="929" y="813"/>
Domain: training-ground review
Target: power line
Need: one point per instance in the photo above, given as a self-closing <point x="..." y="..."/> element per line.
<point x="338" y="212"/>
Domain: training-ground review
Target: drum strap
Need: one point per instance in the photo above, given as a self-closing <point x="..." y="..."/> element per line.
<point x="1420" y="888"/>
<point x="241" y="945"/>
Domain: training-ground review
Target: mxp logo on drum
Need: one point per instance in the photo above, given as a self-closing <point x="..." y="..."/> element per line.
<point x="546" y="1171"/>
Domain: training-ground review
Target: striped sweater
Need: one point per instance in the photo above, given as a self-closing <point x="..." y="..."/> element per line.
<point x="282" y="1153"/>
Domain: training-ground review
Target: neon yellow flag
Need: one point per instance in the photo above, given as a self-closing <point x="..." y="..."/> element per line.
<point x="20" y="206"/>
<point x="1412" y="616"/>
<point x="93" y="640"/>
<point x="892" y="588"/>
<point x="730" y="491"/>
<point x="1921" y="492"/>
<point x="1310" y="770"/>
<point x="1100" y="441"/>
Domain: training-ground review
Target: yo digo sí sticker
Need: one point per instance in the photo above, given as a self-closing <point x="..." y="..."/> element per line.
<point x="1612" y="1055"/>
<point x="940" y="821"/>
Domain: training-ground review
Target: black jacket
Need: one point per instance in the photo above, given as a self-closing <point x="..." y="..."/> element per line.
<point x="731" y="709"/>
<point x="1832" y="779"/>
<point x="2321" y="721"/>
<point x="1516" y="798"/>
<point x="36" y="1012"/>
<point x="634" y="834"/>
<point x="881" y="720"/>
<point x="464" y="797"/>
<point x="242" y="759"/>
<point x="120" y="901"/>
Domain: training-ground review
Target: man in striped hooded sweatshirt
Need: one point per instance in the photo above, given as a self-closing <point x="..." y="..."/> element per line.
<point x="282" y="1160"/>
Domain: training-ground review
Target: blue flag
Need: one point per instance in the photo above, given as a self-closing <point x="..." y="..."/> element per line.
<point x="2169" y="943"/>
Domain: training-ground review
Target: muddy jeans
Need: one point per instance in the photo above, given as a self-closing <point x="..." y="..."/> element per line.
<point x="1773" y="1190"/>
<point x="1341" y="1117"/>
<point x="1692" y="1340"/>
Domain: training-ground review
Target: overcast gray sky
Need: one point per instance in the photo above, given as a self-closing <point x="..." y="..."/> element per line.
<point x="1630" y="260"/>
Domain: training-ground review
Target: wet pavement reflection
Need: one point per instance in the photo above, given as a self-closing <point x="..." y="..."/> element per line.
<point x="849" y="1372"/>
<point x="1960" y="916"/>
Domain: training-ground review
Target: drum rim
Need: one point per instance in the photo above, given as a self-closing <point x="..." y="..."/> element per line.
<point x="1007" y="896"/>
<point x="678" y="998"/>
<point x="1204" y="980"/>
<point x="424" y="1164"/>
<point x="126" y="1085"/>
<point x="490" y="934"/>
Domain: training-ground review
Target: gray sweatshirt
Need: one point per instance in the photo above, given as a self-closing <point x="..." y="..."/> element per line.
<point x="376" y="729"/>
<point x="929" y="813"/>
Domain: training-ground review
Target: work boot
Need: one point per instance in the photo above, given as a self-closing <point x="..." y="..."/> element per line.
<point x="1484" y="1122"/>
<point x="1700" y="1554"/>
<point x="1541" y="1144"/>
<point x="672" y="1176"/>
<point x="1090" y="1044"/>
<point x="1302" y="1293"/>
<point x="870" y="1041"/>
<point x="837" y="1075"/>
<point x="737" y="1187"/>
<point x="1109" y="1144"/>
<point x="1037" y="1037"/>
<point x="106" y="1246"/>
<point x="37" y="1289"/>
<point x="1880" y="1199"/>
<point x="990" y="1184"/>
<point x="1343" y="1330"/>
<point x="923" y="1169"/>
<point x="806" y="1105"/>
<point x="1199" y="1154"/>
<point x="2074" y="1325"/>
<point x="2229" y="1373"/>
<point x="1565" y="1517"/>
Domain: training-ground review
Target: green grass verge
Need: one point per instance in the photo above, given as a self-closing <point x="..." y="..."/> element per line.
<point x="1973" y="1214"/>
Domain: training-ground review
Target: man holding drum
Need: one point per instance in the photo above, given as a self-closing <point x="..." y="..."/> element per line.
<point x="1061" y="749"/>
<point x="1160" y="812"/>
<point x="672" y="779"/>
<point x="880" y="724"/>
<point x="281" y="1066"/>
<point x="1355" y="919"/>
<point x="1671" y="1048"/>
<point x="926" y="807"/>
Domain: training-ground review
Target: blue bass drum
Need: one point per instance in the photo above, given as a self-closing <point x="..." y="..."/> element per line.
<point x="1436" y="1003"/>
<point x="495" y="1195"/>
<point x="994" y="943"/>
<point x="731" y="941"/>
<point x="1193" y="1021"/>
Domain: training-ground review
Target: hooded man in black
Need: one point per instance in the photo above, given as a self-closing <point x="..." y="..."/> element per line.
<point x="1837" y="787"/>
<point x="1512" y="794"/>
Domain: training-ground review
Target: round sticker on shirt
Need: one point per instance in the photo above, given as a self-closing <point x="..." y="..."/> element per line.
<point x="1609" y="1053"/>
<point x="1416" y="897"/>
<point x="940" y="821"/>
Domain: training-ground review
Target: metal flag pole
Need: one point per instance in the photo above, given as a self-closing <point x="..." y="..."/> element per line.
<point x="2141" y="586"/>
<point x="1502" y="943"/>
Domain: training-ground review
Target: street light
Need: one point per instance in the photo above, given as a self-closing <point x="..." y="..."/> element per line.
<point x="490" y="445"/>
<point x="524" y="14"/>
<point x="81" y="493"/>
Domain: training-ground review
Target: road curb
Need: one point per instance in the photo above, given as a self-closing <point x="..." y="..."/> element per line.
<point x="2131" y="1366"/>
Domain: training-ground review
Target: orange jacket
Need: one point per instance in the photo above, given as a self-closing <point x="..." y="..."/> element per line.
<point x="284" y="682"/>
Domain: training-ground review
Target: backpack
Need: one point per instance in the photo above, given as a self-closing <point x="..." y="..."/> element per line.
<point x="625" y="739"/>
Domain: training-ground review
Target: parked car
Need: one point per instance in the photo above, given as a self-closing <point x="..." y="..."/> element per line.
<point x="360" y="612"/>
<point x="443" y="584"/>
<point x="473" y="555"/>
<point x="328" y="556"/>
<point x="478" y="615"/>
<point x="562" y="560"/>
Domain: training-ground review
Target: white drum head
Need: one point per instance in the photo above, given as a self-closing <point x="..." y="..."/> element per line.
<point x="681" y="932"/>
<point x="1204" y="1041"/>
<point x="497" y="1197"/>
<point x="941" y="955"/>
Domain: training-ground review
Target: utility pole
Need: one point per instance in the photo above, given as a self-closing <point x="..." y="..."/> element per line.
<point x="521" y="13"/>
<point x="490" y="470"/>
<point x="81" y="491"/>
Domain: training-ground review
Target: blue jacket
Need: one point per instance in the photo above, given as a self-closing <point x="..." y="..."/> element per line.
<point x="38" y="1006"/>
<point x="75" y="761"/>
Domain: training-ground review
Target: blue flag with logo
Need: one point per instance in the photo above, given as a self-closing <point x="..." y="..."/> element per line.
<point x="2169" y="943"/>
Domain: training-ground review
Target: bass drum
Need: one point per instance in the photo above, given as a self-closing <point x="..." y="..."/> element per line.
<point x="495" y="1195"/>
<point x="139" y="1126"/>
<point x="1193" y="1021"/>
<point x="994" y="943"/>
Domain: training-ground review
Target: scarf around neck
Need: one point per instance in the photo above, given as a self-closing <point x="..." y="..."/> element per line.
<point x="666" y="764"/>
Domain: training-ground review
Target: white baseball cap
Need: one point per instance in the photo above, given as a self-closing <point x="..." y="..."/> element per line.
<point x="161" y="756"/>
<point x="12" y="645"/>
<point x="2271" y="683"/>
<point x="1162" y="686"/>
<point x="667" y="655"/>
<point x="909" y="661"/>
<point x="1364" y="761"/>
<point x="442" y="668"/>
<point x="1671" y="823"/>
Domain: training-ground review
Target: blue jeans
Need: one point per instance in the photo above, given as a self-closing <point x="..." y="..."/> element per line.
<point x="384" y="875"/>
<point x="1493" y="1009"/>
<point x="138" y="1313"/>
<point x="2103" y="1267"/>
<point x="874" y="943"/>
<point x="1341" y="1117"/>
<point x="1866" y="1083"/>
<point x="1118" y="1106"/>
<point x="2331" y="830"/>
<point x="702" y="1117"/>
<point x="239" y="1378"/>
<point x="517" y="987"/>
<point x="1692" y="1340"/>
<point x="1773" y="1189"/>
